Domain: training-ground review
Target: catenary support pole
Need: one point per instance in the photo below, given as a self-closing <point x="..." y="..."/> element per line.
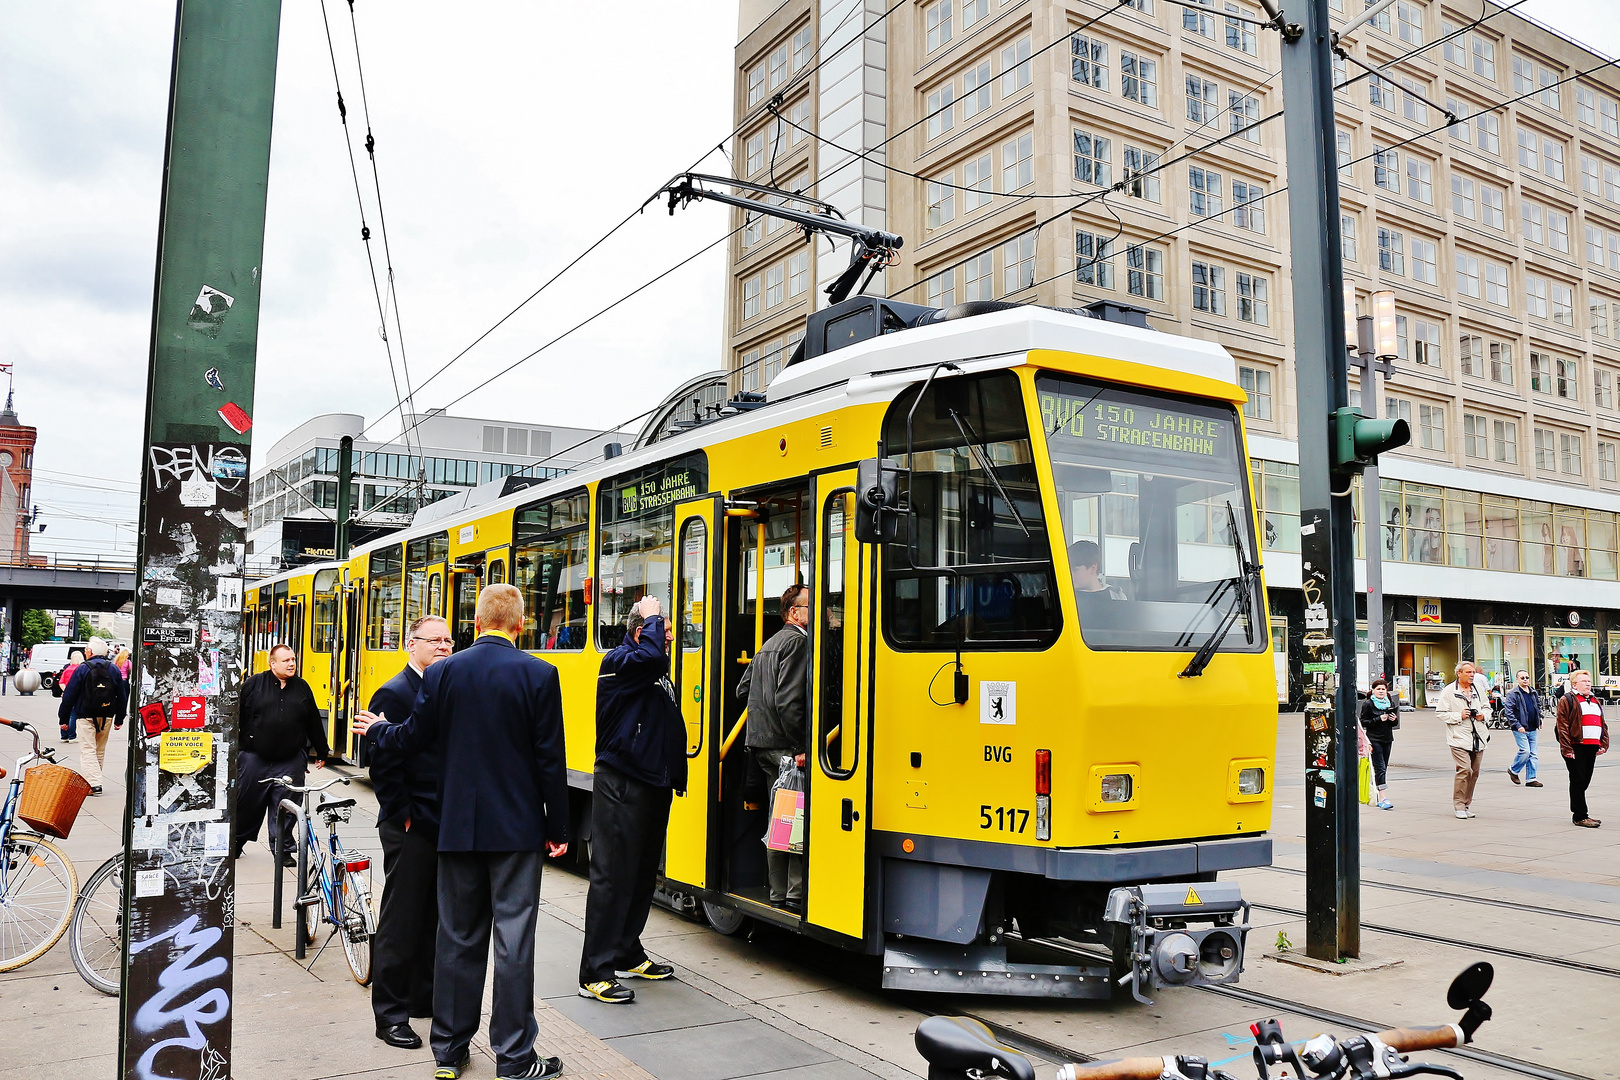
<point x="176" y="1004"/>
<point x="1332" y="824"/>
<point x="1372" y="504"/>
<point x="345" y="501"/>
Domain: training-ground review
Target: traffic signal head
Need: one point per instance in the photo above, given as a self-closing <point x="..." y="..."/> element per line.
<point x="1358" y="440"/>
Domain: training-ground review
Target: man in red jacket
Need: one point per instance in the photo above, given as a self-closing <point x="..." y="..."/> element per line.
<point x="1583" y="734"/>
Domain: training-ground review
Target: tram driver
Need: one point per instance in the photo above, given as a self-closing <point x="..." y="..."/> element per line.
<point x="1085" y="562"/>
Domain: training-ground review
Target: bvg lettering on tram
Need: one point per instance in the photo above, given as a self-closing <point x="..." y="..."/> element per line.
<point x="998" y="753"/>
<point x="1123" y="425"/>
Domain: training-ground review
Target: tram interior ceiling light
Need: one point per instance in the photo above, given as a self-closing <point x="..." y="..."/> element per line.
<point x="1182" y="933"/>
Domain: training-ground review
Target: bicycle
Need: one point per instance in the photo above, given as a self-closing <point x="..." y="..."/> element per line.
<point x="38" y="882"/>
<point x="957" y="1048"/>
<point x="96" y="934"/>
<point x="332" y="890"/>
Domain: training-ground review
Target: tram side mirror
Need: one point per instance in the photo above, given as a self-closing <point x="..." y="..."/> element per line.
<point x="877" y="500"/>
<point x="1468" y="993"/>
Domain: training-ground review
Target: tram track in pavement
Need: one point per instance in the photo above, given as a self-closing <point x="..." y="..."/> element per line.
<point x="1511" y="905"/>
<point x="1476" y="946"/>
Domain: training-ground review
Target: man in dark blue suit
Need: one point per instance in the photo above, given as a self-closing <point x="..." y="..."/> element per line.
<point x="494" y="714"/>
<point x="407" y="787"/>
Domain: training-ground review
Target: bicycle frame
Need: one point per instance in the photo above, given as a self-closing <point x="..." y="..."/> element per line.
<point x="8" y="808"/>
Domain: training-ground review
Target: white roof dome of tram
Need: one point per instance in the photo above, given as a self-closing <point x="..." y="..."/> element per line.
<point x="1000" y="333"/>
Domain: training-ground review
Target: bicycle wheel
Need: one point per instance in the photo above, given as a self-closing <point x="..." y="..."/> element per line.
<point x="96" y="935"/>
<point x="36" y="900"/>
<point x="357" y="923"/>
<point x="309" y="921"/>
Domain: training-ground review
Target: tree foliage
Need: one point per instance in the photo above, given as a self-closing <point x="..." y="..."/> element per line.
<point x="37" y="626"/>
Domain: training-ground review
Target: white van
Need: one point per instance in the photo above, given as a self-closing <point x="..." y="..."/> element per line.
<point x="49" y="658"/>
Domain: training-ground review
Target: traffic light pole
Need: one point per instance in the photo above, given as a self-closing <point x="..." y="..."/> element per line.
<point x="1332" y="822"/>
<point x="179" y="899"/>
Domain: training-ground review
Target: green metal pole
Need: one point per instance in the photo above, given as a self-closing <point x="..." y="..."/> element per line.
<point x="179" y="885"/>
<point x="345" y="506"/>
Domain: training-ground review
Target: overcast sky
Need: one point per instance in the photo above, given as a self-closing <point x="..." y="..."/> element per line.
<point x="506" y="141"/>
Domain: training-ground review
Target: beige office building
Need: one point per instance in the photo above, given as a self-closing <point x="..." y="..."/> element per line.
<point x="991" y="135"/>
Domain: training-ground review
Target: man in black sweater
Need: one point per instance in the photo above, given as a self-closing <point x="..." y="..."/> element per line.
<point x="775" y="686"/>
<point x="407" y="787"/>
<point x="280" y="723"/>
<point x="640" y="759"/>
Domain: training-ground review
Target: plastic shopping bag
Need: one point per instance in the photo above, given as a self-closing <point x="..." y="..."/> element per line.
<point x="786" y="832"/>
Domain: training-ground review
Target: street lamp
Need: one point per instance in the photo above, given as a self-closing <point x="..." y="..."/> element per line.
<point x="1383" y="304"/>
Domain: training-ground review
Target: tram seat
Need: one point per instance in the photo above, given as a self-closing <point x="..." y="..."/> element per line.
<point x="953" y="1045"/>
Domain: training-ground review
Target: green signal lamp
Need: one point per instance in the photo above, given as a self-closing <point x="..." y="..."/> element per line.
<point x="1358" y="440"/>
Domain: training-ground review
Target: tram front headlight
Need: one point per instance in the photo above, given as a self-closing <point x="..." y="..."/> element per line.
<point x="1116" y="787"/>
<point x="1252" y="781"/>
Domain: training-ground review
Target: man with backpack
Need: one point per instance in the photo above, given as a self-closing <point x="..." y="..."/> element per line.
<point x="98" y="696"/>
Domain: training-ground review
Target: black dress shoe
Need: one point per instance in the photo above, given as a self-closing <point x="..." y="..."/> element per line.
<point x="288" y="859"/>
<point x="400" y="1035"/>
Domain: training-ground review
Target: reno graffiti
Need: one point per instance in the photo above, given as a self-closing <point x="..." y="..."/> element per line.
<point x="184" y="997"/>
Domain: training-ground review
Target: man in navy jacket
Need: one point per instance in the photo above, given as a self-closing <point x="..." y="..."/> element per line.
<point x="407" y="787"/>
<point x="640" y="759"/>
<point x="494" y="714"/>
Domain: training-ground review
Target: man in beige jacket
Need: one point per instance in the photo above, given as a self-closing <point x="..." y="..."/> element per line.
<point x="1465" y="708"/>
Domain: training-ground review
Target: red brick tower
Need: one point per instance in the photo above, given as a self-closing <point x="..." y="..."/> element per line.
<point x="16" y="484"/>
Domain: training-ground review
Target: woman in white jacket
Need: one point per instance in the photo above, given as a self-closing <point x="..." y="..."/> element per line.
<point x="1465" y="707"/>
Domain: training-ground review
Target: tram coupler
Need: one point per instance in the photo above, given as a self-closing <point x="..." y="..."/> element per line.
<point x="1181" y="933"/>
<point x="914" y="964"/>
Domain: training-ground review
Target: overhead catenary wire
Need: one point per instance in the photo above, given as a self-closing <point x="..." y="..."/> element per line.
<point x="1441" y="40"/>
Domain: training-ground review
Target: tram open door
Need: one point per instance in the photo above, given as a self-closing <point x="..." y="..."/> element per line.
<point x="693" y="672"/>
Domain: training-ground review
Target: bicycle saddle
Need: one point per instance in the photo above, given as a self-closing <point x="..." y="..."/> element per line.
<point x="957" y="1044"/>
<point x="335" y="804"/>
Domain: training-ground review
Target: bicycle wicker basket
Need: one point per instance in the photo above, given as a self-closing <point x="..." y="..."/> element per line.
<point x="51" y="797"/>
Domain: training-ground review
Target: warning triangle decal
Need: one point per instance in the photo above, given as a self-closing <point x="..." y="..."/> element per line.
<point x="1192" y="896"/>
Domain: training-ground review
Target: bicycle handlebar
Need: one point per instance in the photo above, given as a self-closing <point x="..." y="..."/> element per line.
<point x="286" y="782"/>
<point x="1143" y="1068"/>
<point x="1405" y="1040"/>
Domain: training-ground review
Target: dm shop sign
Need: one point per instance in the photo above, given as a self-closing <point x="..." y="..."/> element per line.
<point x="1428" y="610"/>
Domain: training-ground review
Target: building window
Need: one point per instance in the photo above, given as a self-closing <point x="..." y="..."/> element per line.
<point x="756" y="153"/>
<point x="799" y="122"/>
<point x="1420" y="180"/>
<point x="1239" y="34"/>
<point x="801" y="48"/>
<point x="1586" y="106"/>
<point x="1347" y="236"/>
<point x="1425" y="261"/>
<point x="942" y="200"/>
<point x="1569" y="454"/>
<point x="751" y="297"/>
<point x="1594" y="245"/>
<point x="1144" y="267"/>
<point x="1505" y="441"/>
<point x="1529" y="150"/>
<point x="1143" y="181"/>
<point x="1409" y="23"/>
<point x="1568" y="380"/>
<point x="1524" y="75"/>
<point x="1535" y="295"/>
<point x="1391" y="251"/>
<point x="1546" y="450"/>
<point x="976" y="278"/>
<point x="1089" y="63"/>
<point x="1245" y="111"/>
<point x="1541" y="372"/>
<point x="1201" y="98"/>
<point x="1094" y="260"/>
<point x="1558" y="231"/>
<point x="1502" y="362"/>
<point x="1248" y="211"/>
<point x="1139" y="79"/>
<point x="1467" y="275"/>
<point x="1462" y="196"/>
<point x="1381" y="92"/>
<point x="773" y="286"/>
<point x="1198" y="22"/>
<point x="1462" y="130"/>
<point x="978" y="180"/>
<point x="1455" y="49"/>
<point x="798" y="273"/>
<point x="756" y="84"/>
<point x="1091" y="159"/>
<point x="1563" y="304"/>
<point x="1476" y="437"/>
<point x="1253" y="305"/>
<point x="1018" y="162"/>
<point x="1605" y="461"/>
<point x="1014" y="67"/>
<point x="1609" y="117"/>
<point x="976" y="90"/>
<point x="1398" y="409"/>
<point x="1346" y="155"/>
<point x="1598" y="316"/>
<point x="1432" y="426"/>
<point x="779" y="66"/>
<point x="1413" y="107"/>
<point x="973" y="12"/>
<point x="1256" y="383"/>
<point x="941" y="111"/>
<point x="937" y="21"/>
<point x="1552" y="158"/>
<point x="1549" y="81"/>
<point x="1425" y="343"/>
<point x="1489" y="128"/>
<point x="1209" y="288"/>
<point x="1387" y="169"/>
<point x="942" y="289"/>
<point x="1591" y="175"/>
<point x="1484" y="50"/>
<point x="1018" y="264"/>
<point x="1496" y="284"/>
<point x="1530" y="215"/>
<point x="1471" y="355"/>
<point x="1603" y="388"/>
<point x="1204" y="191"/>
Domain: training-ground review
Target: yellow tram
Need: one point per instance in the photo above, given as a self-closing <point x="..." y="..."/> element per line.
<point x="1043" y="708"/>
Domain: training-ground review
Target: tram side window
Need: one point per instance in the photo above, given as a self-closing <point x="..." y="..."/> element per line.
<point x="834" y="633"/>
<point x="636" y="538"/>
<point x="550" y="564"/>
<point x="323" y="624"/>
<point x="1148" y="486"/>
<point x="424" y="576"/>
<point x="977" y="566"/>
<point x="383" y="599"/>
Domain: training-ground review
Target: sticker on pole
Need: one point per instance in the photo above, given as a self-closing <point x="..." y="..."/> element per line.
<point x="188" y="714"/>
<point x="148" y="883"/>
<point x="209" y="311"/>
<point x="185" y="752"/>
<point x="998" y="703"/>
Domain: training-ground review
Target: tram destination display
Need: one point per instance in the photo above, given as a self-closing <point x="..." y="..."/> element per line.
<point x="1113" y="425"/>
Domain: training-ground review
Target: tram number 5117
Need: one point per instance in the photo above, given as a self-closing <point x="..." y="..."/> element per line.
<point x="1003" y="818"/>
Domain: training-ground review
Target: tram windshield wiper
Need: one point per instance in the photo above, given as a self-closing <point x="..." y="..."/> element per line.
<point x="982" y="455"/>
<point x="1244" y="604"/>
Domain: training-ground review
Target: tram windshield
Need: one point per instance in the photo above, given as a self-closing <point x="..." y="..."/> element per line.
<point x="1149" y="487"/>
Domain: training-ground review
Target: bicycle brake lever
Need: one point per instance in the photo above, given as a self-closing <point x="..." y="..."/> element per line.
<point x="1423" y="1067"/>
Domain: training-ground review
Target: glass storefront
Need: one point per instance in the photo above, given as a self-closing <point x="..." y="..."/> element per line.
<point x="1567" y="653"/>
<point x="1501" y="652"/>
